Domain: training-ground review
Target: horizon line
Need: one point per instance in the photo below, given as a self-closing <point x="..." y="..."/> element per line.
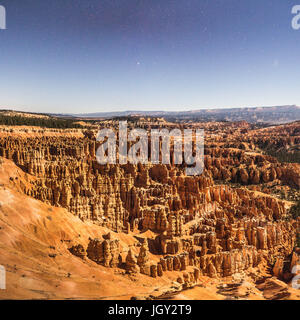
<point x="16" y="109"/>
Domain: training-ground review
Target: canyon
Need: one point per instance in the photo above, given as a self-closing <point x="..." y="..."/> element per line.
<point x="71" y="228"/>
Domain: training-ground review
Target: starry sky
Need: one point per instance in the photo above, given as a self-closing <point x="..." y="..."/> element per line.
<point x="72" y="56"/>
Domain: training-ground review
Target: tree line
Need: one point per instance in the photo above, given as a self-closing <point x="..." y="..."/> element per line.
<point x="38" y="122"/>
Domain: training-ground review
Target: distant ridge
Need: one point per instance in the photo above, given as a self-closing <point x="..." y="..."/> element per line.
<point x="274" y="114"/>
<point x="268" y="115"/>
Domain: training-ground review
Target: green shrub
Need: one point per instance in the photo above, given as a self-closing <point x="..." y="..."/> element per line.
<point x="295" y="210"/>
<point x="282" y="156"/>
<point x="298" y="240"/>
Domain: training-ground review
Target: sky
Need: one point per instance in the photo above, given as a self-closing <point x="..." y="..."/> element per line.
<point x="72" y="56"/>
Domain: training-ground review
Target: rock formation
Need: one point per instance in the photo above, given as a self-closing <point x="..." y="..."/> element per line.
<point x="226" y="221"/>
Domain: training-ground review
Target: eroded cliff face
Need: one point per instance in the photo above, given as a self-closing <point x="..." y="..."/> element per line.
<point x="221" y="223"/>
